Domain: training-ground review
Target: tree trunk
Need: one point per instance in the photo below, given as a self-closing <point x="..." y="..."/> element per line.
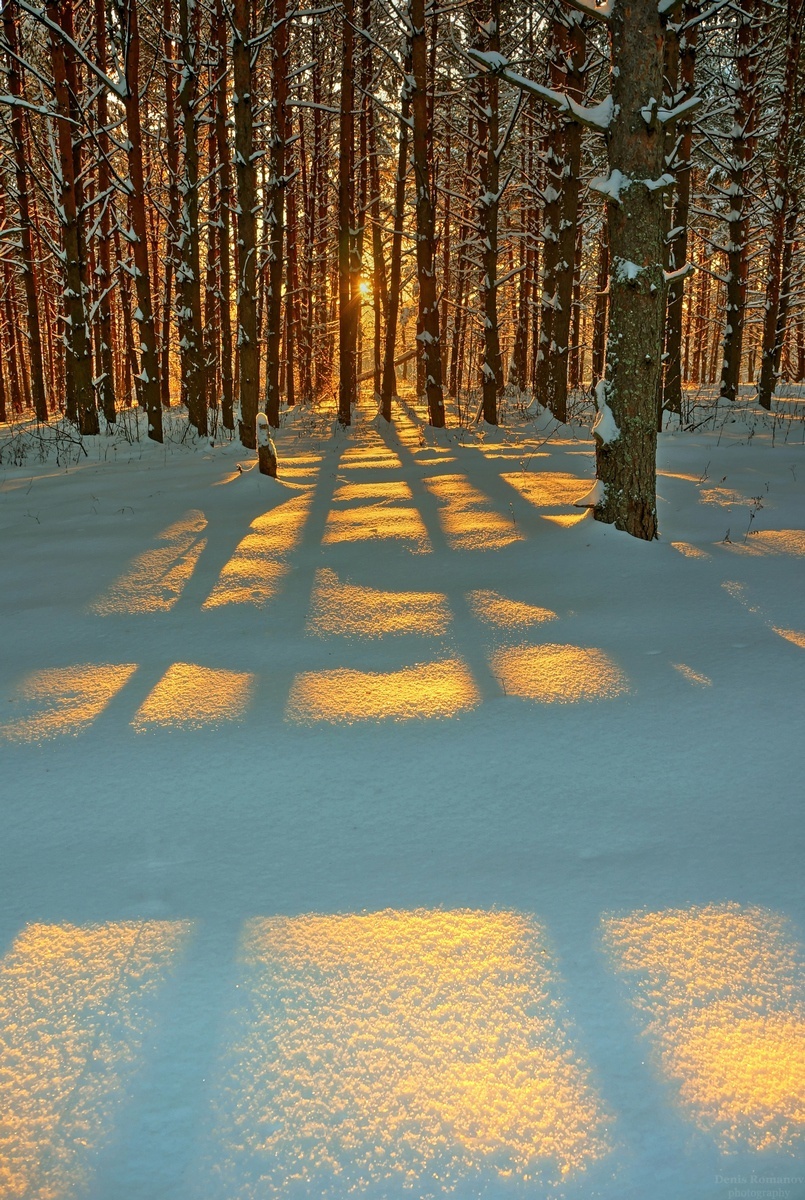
<point x="21" y="170"/>
<point x="425" y="220"/>
<point x="672" y="388"/>
<point x="347" y="314"/>
<point x="149" y="376"/>
<point x="246" y="174"/>
<point x="488" y="118"/>
<point x="779" y="195"/>
<point x="626" y="430"/>
<point x="188" y="279"/>
<point x="275" y="207"/>
<point x="389" y="383"/>
<point x="77" y="342"/>
<point x="224" y="219"/>
<point x="743" y="149"/>
<point x="565" y="181"/>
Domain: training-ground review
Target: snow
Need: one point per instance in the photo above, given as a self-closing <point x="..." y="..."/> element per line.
<point x="624" y="271"/>
<point x="393" y="829"/>
<point x="604" y="426"/>
<point x="612" y="186"/>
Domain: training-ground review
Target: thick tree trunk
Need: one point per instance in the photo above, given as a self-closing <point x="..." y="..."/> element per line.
<point x="625" y="432"/>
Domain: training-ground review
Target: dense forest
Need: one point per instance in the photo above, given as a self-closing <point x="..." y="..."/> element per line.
<point x="236" y="205"/>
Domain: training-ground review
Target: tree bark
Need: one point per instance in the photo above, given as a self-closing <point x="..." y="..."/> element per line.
<point x="347" y="314"/>
<point x="743" y="149"/>
<point x="188" y="279"/>
<point x="275" y="207"/>
<point x="488" y="117"/>
<point x="78" y="347"/>
<point x="21" y="171"/>
<point x="626" y="440"/>
<point x="672" y="386"/>
<point x="248" y="349"/>
<point x="149" y="376"/>
<point x="429" y="334"/>
<point x="779" y="194"/>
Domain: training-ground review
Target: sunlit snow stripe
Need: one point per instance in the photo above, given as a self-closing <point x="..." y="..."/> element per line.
<point x="155" y="580"/>
<point x="391" y="1052"/>
<point x="720" y="990"/>
<point x="192" y="697"/>
<point x="260" y="563"/>
<point x="75" y="1008"/>
<point x="467" y="516"/>
<point x="64" y="700"/>
<point x="340" y="607"/>
<point x="435" y="689"/>
<point x="555" y="674"/>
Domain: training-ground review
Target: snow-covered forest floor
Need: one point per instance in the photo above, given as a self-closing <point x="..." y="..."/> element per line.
<point x="394" y="829"/>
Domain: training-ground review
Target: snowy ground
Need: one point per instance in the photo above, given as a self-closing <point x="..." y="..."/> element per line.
<point x="394" y="829"/>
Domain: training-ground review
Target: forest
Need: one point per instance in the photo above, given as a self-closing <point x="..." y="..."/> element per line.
<point x="240" y="207"/>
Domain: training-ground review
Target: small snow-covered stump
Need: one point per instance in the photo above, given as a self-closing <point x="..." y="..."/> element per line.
<point x="266" y="450"/>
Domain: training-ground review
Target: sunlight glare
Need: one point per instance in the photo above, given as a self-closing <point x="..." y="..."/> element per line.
<point x="566" y="520"/>
<point x="373" y="457"/>
<point x="770" y="541"/>
<point x="384" y="519"/>
<point x="689" y="550"/>
<point x="791" y="635"/>
<point x="692" y="676"/>
<point x="383" y="493"/>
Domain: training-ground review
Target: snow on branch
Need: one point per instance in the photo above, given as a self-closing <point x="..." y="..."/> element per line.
<point x="117" y="86"/>
<point x="18" y="102"/>
<point x="664" y="115"/>
<point x="598" y="116"/>
<point x="601" y="12"/>
<point x="680" y="273"/>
